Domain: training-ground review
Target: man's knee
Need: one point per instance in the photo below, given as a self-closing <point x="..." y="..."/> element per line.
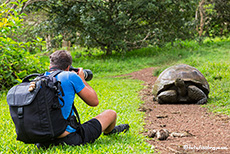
<point x="107" y="115"/>
<point x="111" y="113"/>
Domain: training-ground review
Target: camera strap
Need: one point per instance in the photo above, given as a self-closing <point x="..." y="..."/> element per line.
<point x="54" y="69"/>
<point x="74" y="122"/>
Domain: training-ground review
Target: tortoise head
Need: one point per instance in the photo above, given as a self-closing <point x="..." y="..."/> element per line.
<point x="181" y="88"/>
<point x="179" y="82"/>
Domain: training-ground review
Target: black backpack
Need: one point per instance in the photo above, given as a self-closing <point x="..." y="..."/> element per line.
<point x="36" y="111"/>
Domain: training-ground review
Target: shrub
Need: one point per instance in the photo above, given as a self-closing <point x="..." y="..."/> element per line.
<point x="15" y="61"/>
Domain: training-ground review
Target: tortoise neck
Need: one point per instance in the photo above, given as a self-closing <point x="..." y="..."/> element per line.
<point x="181" y="87"/>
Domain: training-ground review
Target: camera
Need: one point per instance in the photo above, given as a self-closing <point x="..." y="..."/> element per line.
<point x="88" y="74"/>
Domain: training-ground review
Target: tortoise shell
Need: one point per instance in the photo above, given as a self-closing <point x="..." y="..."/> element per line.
<point x="188" y="73"/>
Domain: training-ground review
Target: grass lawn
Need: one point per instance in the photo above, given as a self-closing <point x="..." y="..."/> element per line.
<point x="117" y="94"/>
<point x="211" y="58"/>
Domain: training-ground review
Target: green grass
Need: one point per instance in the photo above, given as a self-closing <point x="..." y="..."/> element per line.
<point x="116" y="94"/>
<point x="212" y="58"/>
<point x="120" y="94"/>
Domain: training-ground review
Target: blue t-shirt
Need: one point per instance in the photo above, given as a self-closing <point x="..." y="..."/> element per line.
<point x="71" y="84"/>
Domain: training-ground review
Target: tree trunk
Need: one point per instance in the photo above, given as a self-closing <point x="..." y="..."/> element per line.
<point x="48" y="42"/>
<point x="200" y="26"/>
<point x="108" y="51"/>
<point x="66" y="44"/>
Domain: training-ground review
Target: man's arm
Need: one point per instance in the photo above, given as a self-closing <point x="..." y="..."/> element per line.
<point x="87" y="94"/>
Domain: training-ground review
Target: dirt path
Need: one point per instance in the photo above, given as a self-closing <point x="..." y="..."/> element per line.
<point x="207" y="132"/>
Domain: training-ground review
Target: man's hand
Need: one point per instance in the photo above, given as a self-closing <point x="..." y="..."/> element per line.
<point x="87" y="94"/>
<point x="80" y="73"/>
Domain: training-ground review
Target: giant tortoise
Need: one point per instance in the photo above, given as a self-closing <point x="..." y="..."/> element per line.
<point x="181" y="84"/>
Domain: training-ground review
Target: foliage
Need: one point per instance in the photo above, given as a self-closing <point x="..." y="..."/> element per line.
<point x="213" y="18"/>
<point x="118" y="25"/>
<point x="15" y="61"/>
<point x="122" y="26"/>
<point x="220" y="24"/>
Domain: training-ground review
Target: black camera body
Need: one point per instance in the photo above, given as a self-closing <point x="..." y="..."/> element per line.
<point x="88" y="74"/>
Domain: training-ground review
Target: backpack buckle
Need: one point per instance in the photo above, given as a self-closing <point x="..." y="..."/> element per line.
<point x="20" y="112"/>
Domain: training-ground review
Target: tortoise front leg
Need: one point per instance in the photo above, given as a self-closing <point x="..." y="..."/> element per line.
<point x="168" y="96"/>
<point x="197" y="95"/>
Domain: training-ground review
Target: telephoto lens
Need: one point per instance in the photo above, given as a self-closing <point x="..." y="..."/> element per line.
<point x="88" y="74"/>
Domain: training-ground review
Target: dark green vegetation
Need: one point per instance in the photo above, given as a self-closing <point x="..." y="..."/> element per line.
<point x="121" y="26"/>
<point x="118" y="25"/>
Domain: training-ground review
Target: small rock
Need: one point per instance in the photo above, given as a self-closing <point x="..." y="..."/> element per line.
<point x="164" y="125"/>
<point x="162" y="134"/>
<point x="181" y="134"/>
<point x="176" y="112"/>
<point x="152" y="133"/>
<point x="144" y="109"/>
<point x="162" y="116"/>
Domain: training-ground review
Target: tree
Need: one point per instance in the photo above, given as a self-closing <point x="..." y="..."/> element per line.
<point x="220" y="21"/>
<point x="118" y="25"/>
<point x="213" y="18"/>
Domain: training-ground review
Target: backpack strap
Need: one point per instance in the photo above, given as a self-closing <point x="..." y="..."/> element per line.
<point x="55" y="73"/>
<point x="81" y="130"/>
<point x="75" y="111"/>
<point x="74" y="121"/>
<point x="26" y="79"/>
<point x="58" y="85"/>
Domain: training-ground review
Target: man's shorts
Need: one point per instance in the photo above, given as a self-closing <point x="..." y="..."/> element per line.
<point x="92" y="129"/>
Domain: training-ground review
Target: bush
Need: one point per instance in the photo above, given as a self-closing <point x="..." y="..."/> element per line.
<point x="15" y="61"/>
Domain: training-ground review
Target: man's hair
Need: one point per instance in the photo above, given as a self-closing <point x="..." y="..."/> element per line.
<point x="60" y="59"/>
